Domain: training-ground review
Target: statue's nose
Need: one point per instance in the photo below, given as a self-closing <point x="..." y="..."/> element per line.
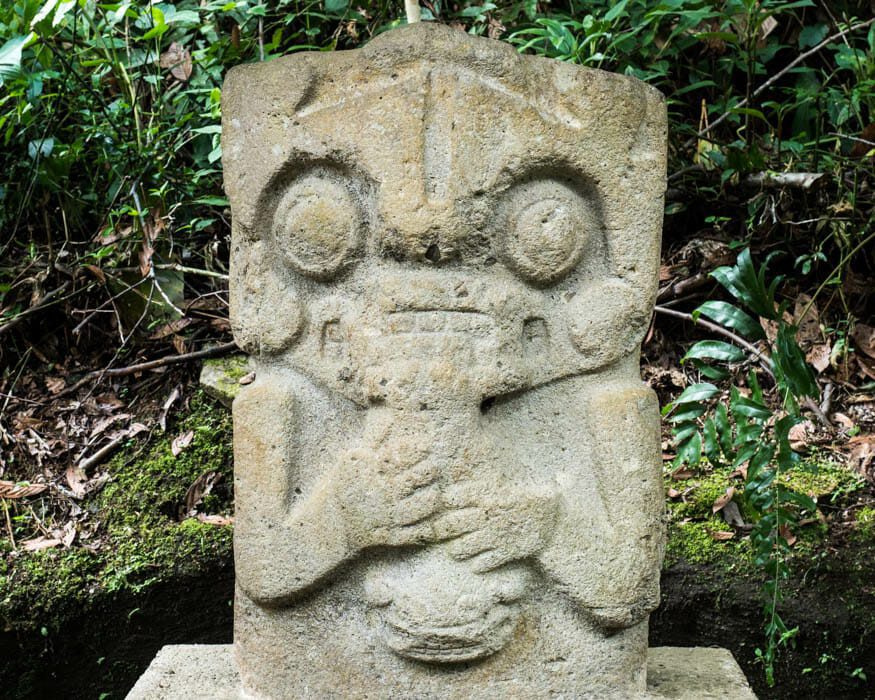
<point x="420" y="231"/>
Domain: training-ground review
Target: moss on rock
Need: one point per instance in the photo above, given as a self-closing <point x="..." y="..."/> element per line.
<point x="142" y="535"/>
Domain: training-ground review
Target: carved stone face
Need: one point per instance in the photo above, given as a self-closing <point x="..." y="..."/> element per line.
<point x="430" y="211"/>
<point x="444" y="259"/>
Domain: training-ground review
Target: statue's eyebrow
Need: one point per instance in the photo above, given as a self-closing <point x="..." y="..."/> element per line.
<point x="554" y="113"/>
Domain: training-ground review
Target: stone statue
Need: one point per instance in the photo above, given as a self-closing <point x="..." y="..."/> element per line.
<point x="447" y="470"/>
<point x="444" y="259"/>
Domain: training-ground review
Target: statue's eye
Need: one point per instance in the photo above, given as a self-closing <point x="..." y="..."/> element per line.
<point x="546" y="230"/>
<point x="317" y="226"/>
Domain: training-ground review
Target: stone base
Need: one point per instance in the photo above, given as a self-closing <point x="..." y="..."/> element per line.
<point x="207" y="672"/>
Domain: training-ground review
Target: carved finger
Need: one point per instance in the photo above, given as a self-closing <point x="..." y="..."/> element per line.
<point x="421" y="475"/>
<point x="419" y="533"/>
<point x="455" y="523"/>
<point x="471" y="545"/>
<point x="464" y="495"/>
<point x="418" y="506"/>
<point x="406" y="453"/>
<point x="491" y="559"/>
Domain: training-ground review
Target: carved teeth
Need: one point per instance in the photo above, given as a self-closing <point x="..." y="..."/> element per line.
<point x="438" y="321"/>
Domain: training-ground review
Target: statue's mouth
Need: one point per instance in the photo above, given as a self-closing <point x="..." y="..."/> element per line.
<point x="422" y="321"/>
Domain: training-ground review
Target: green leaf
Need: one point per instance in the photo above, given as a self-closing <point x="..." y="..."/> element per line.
<point x="688" y="412"/>
<point x="709" y="371"/>
<point x="711" y="441"/>
<point x="731" y="316"/>
<point x="681" y="433"/>
<point x="41" y="148"/>
<point x="696" y="392"/>
<point x="800" y="499"/>
<point x="44" y="12"/>
<point x="743" y="406"/>
<point x="690" y="452"/>
<point x="212" y="201"/>
<point x="715" y="350"/>
<point x="791" y="369"/>
<point x="724" y="430"/>
<point x="10" y="57"/>
<point x="616" y="10"/>
<point x="748" y="285"/>
<point x="337" y="7"/>
<point x="812" y="35"/>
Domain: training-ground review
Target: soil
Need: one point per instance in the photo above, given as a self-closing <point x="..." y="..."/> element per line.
<point x="100" y="651"/>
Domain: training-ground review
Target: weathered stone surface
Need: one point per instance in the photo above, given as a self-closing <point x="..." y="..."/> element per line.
<point x="220" y="377"/>
<point x="673" y="673"/>
<point x="448" y="475"/>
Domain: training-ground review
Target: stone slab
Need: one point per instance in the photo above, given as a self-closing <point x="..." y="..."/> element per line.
<point x="195" y="672"/>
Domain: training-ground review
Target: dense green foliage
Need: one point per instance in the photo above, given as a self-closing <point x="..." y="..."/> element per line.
<point x="109" y="114"/>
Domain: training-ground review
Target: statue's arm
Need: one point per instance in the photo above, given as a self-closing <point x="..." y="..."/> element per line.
<point x="289" y="534"/>
<point x="606" y="551"/>
<point x="285" y="541"/>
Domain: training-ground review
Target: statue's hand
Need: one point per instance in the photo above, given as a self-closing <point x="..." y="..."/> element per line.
<point x="385" y="499"/>
<point x="493" y="524"/>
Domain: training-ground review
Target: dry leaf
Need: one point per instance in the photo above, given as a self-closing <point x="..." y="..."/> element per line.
<point x="787" y="534"/>
<point x="721" y="535"/>
<point x="867" y="367"/>
<point x="39" y="543"/>
<point x="145" y="258"/>
<point x="732" y="514"/>
<point x="55" y="385"/>
<point x="198" y="490"/>
<point x="247" y="378"/>
<point x="179" y="345"/>
<point x="222" y="325"/>
<point x="720" y="503"/>
<point x="77" y="480"/>
<point x="108" y="401"/>
<point x="13" y="489"/>
<point x="864" y="337"/>
<point x="178" y="59"/>
<point x="170" y="328"/>
<point x="808" y="325"/>
<point x="818" y="356"/>
<point x="768" y="26"/>
<point x="862" y="456"/>
<point x="69" y="534"/>
<point x="97" y="272"/>
<point x="683" y="473"/>
<point x="180" y="442"/>
<point x="864" y="145"/>
<point x="215" y="519"/>
<point x="844" y="422"/>
<point x="673" y="493"/>
<point x="162" y="418"/>
<point x="665" y="273"/>
<point x="800" y="435"/>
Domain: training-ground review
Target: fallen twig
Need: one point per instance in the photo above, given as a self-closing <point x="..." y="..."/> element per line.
<point x="672" y="291"/>
<point x="89" y="462"/>
<point x="720" y="330"/>
<point x="803" y="181"/>
<point x="812" y="406"/>
<point x="222" y="349"/>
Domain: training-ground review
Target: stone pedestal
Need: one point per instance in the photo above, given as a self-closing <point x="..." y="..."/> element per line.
<point x="201" y="672"/>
